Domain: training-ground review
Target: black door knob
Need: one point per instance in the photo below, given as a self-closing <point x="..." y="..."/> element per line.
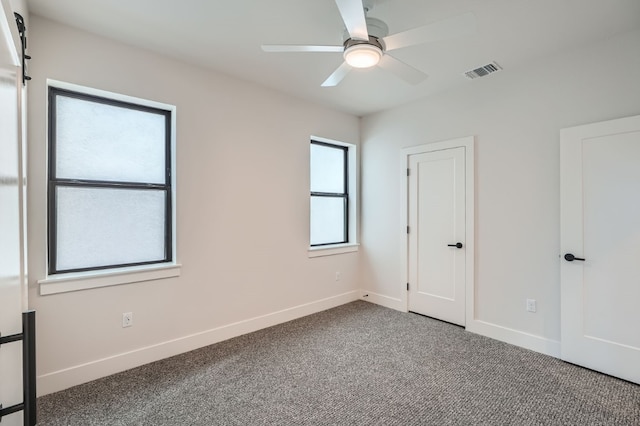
<point x="570" y="257"/>
<point x="458" y="245"/>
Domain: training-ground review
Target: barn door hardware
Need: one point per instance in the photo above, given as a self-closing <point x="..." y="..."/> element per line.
<point x="22" y="30"/>
<point x="28" y="338"/>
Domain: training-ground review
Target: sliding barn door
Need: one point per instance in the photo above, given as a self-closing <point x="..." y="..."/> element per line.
<point x="11" y="303"/>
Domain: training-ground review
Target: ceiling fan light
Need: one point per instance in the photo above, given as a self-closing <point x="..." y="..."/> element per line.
<point x="362" y="55"/>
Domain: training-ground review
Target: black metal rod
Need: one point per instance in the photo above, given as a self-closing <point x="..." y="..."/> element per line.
<point x="28" y="337"/>
<point x="29" y="367"/>
<point x="10" y="410"/>
<point x="9" y="339"/>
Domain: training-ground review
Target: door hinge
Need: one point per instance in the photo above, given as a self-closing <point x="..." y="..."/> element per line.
<point x="407" y="229"/>
<point x="408" y="172"/>
<point x="407" y="286"/>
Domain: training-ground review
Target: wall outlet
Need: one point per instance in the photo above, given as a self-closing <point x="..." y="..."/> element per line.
<point x="127" y="319"/>
<point x="337" y="276"/>
<point x="531" y="305"/>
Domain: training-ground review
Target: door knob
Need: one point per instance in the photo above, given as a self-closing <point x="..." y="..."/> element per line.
<point x="458" y="245"/>
<point x="570" y="257"/>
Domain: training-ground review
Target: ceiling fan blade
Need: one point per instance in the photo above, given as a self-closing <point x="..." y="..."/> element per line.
<point x="352" y="13"/>
<point x="457" y="26"/>
<point x="402" y="70"/>
<point x="300" y="48"/>
<point x="337" y="76"/>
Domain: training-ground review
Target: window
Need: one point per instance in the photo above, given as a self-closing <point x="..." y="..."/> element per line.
<point x="110" y="186"/>
<point x="332" y="210"/>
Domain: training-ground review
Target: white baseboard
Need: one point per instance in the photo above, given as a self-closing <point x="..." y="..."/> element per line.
<point x="515" y="337"/>
<point x="382" y="300"/>
<point x="504" y="334"/>
<point x="78" y="374"/>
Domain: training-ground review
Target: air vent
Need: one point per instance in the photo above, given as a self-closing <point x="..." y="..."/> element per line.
<point x="483" y="71"/>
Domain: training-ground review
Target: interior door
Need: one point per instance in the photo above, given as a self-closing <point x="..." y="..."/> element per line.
<point x="436" y="258"/>
<point x="11" y="301"/>
<point x="600" y="242"/>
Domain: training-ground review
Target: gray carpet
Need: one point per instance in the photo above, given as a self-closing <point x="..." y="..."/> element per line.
<point x="358" y="364"/>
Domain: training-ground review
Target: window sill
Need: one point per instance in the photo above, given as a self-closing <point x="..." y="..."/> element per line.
<point x="94" y="279"/>
<point x="333" y="249"/>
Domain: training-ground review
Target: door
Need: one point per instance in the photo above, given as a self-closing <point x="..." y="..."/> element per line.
<point x="11" y="301"/>
<point x="437" y="234"/>
<point x="600" y="242"/>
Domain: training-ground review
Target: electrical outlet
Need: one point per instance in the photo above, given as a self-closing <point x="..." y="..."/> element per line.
<point x="127" y="319"/>
<point x="337" y="276"/>
<point x="531" y="305"/>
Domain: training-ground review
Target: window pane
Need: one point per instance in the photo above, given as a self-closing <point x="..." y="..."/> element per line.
<point x="327" y="220"/>
<point x="100" y="227"/>
<point x="96" y="141"/>
<point x="327" y="169"/>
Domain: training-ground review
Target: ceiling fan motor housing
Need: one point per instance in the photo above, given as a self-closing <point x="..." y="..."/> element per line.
<point x="376" y="28"/>
<point x="373" y="41"/>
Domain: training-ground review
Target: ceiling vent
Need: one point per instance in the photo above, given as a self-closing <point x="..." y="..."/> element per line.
<point x="483" y="71"/>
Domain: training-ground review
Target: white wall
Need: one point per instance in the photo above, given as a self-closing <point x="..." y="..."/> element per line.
<point x="20" y="6"/>
<point x="242" y="220"/>
<point x="243" y="199"/>
<point x="516" y="116"/>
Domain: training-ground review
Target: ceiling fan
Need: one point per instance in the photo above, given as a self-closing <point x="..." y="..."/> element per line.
<point x="367" y="42"/>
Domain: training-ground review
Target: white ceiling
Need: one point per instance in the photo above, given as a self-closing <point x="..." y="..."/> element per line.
<point x="226" y="36"/>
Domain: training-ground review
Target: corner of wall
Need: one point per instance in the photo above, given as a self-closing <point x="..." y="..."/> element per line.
<point x="382" y="300"/>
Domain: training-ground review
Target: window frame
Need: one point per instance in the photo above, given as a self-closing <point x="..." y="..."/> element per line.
<point x="351" y="213"/>
<point x="344" y="195"/>
<point x="55" y="182"/>
<point x="101" y="276"/>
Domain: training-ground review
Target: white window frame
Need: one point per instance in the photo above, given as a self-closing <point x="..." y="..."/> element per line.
<point x="352" y="183"/>
<point x="73" y="281"/>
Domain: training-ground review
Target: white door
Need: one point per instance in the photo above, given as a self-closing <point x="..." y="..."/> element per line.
<point x="11" y="302"/>
<point x="437" y="237"/>
<point x="600" y="220"/>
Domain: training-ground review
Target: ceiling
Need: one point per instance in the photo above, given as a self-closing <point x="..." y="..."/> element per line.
<point x="226" y="36"/>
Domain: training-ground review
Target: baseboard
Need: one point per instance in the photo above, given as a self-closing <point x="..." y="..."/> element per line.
<point x="382" y="300"/>
<point x="515" y="337"/>
<point x="78" y="374"/>
<point x="504" y="334"/>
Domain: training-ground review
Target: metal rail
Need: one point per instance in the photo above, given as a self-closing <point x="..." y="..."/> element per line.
<point x="28" y="338"/>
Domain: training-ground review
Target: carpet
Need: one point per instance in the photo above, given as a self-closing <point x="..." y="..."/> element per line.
<point x="357" y="364"/>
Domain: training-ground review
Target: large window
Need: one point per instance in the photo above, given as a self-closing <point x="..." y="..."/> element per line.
<point x="330" y="204"/>
<point x="110" y="183"/>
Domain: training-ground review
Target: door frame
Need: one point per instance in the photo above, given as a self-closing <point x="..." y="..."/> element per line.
<point x="468" y="144"/>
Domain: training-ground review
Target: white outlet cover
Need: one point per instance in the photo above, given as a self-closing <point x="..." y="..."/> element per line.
<point x="531" y="305"/>
<point x="127" y="319"/>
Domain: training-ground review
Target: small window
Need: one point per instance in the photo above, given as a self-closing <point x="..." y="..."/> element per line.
<point x="110" y="183"/>
<point x="329" y="194"/>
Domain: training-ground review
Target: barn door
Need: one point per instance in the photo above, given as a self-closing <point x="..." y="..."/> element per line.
<point x="12" y="302"/>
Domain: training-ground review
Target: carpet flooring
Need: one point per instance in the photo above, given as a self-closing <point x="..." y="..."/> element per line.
<point x="357" y="364"/>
